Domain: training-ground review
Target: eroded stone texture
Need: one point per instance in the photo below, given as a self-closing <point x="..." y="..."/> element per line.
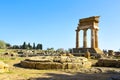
<point x="87" y="54"/>
<point x="85" y="24"/>
<point x="56" y="62"/>
<point x="109" y="62"/>
<point x="3" y="67"/>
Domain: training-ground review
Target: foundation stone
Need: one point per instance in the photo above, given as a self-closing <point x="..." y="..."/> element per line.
<point x="56" y="62"/>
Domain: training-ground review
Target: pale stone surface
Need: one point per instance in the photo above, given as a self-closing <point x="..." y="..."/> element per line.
<point x="3" y="67"/>
<point x="87" y="54"/>
<point x="92" y="24"/>
<point x="57" y="62"/>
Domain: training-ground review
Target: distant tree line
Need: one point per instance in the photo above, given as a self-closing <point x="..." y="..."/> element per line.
<point x="27" y="46"/>
<point x="4" y="45"/>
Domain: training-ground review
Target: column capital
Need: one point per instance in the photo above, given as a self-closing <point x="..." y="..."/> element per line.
<point x="77" y="30"/>
<point x="85" y="29"/>
<point x="97" y="29"/>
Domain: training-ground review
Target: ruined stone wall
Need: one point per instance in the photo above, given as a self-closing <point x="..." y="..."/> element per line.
<point x="109" y="63"/>
<point x="57" y="62"/>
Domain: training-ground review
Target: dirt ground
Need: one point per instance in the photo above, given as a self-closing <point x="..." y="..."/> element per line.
<point x="18" y="73"/>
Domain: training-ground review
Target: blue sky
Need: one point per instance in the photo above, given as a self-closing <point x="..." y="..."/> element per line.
<point x="53" y="22"/>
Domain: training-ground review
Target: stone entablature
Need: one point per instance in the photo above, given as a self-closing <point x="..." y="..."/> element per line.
<point x="87" y="23"/>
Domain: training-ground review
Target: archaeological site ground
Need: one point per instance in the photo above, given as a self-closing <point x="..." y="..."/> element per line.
<point x="79" y="63"/>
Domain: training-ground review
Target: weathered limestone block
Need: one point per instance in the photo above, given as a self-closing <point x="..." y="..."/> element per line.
<point x="58" y="62"/>
<point x="108" y="62"/>
<point x="40" y="59"/>
<point x="64" y="66"/>
<point x="70" y="55"/>
<point x="56" y="59"/>
<point x="28" y="64"/>
<point x="45" y="65"/>
<point x="63" y="59"/>
<point x="100" y="62"/>
<point x="87" y="55"/>
<point x="3" y="67"/>
<point x="75" y="60"/>
<point x="83" y="59"/>
<point x="55" y="65"/>
<point x="74" y="65"/>
<point x="70" y="65"/>
<point x="118" y="64"/>
<point x="24" y="63"/>
<point x="87" y="64"/>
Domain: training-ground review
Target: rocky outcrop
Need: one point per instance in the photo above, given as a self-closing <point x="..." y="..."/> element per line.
<point x="3" y="67"/>
<point x="56" y="62"/>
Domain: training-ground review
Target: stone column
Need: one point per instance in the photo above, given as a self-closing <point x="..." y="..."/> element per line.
<point x="77" y="38"/>
<point x="96" y="38"/>
<point x="92" y="38"/>
<point x="85" y="39"/>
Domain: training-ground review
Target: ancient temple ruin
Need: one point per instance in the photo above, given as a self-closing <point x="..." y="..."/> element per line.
<point x="85" y="24"/>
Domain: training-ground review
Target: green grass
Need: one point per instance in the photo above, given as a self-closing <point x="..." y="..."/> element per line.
<point x="9" y="59"/>
<point x="2" y="50"/>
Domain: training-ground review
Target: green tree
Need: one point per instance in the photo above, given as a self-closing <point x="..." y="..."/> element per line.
<point x="70" y="50"/>
<point x="51" y="49"/>
<point x="39" y="46"/>
<point x="8" y="45"/>
<point x="15" y="47"/>
<point x="20" y="47"/>
<point x="29" y="46"/>
<point x="24" y="46"/>
<point x="60" y="50"/>
<point x="2" y="44"/>
<point x="34" y="46"/>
